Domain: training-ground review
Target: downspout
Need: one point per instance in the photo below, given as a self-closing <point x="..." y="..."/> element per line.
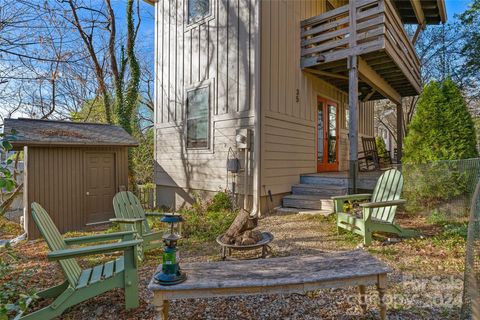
<point x="257" y="114"/>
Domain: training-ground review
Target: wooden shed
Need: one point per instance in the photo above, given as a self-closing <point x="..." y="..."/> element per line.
<point x="72" y="169"/>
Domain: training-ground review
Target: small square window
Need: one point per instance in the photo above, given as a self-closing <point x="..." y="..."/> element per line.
<point x="197" y="10"/>
<point x="198" y="120"/>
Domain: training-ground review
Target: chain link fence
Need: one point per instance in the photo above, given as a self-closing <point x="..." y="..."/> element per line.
<point x="471" y="283"/>
<point x="450" y="191"/>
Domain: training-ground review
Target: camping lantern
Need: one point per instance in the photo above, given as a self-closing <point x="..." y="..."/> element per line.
<point x="171" y="273"/>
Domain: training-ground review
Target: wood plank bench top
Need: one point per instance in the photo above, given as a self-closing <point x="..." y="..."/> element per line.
<point x="293" y="274"/>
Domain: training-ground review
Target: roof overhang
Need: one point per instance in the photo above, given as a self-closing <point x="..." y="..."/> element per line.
<point x="52" y="133"/>
<point x="413" y="11"/>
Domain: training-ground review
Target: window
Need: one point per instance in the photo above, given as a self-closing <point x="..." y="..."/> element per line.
<point x="197" y="10"/>
<point x="198" y="109"/>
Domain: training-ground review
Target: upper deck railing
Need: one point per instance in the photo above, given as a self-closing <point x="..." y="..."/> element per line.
<point x="359" y="28"/>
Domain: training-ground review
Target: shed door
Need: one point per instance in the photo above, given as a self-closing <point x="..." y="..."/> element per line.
<point x="100" y="185"/>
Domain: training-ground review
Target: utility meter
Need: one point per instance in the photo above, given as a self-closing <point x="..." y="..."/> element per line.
<point x="243" y="138"/>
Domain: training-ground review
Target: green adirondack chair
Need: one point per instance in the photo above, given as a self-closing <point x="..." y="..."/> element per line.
<point x="130" y="215"/>
<point x="378" y="214"/>
<point x="80" y="285"/>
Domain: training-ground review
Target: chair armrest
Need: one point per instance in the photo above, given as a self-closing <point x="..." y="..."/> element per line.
<point x="100" y="237"/>
<point x="154" y="214"/>
<point x="360" y="196"/>
<point x="383" y="203"/>
<point x="92" y="250"/>
<point x="127" y="220"/>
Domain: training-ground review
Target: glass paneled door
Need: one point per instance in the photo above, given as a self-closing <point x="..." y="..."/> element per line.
<point x="327" y="135"/>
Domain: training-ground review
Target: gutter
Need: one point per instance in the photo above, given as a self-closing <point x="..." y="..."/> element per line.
<point x="256" y="210"/>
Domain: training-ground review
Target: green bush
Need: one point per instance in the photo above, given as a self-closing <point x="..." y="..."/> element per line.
<point x="220" y="202"/>
<point x="208" y="220"/>
<point x="429" y="185"/>
<point x="381" y="146"/>
<point x="442" y="128"/>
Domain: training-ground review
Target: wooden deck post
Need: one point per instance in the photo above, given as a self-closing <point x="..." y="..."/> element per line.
<point x="353" y="123"/>
<point x="353" y="102"/>
<point x="399" y="132"/>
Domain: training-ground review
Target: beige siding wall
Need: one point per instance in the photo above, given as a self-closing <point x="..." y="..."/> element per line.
<point x="55" y="178"/>
<point x="289" y="95"/>
<point x="218" y="51"/>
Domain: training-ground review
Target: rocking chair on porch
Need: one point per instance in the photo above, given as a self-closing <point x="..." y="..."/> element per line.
<point x="377" y="215"/>
<point x="371" y="160"/>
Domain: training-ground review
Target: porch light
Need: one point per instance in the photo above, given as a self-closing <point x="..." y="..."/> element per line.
<point x="171" y="273"/>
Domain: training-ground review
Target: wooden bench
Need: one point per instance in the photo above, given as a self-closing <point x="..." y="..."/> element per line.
<point x="294" y="274"/>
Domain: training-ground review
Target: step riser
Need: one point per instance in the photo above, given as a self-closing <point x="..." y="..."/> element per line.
<point x="324" y="182"/>
<point x="324" y="192"/>
<point x="308" y="204"/>
<point x="337" y="182"/>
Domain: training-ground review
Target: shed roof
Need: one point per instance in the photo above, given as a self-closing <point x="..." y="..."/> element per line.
<point x="34" y="132"/>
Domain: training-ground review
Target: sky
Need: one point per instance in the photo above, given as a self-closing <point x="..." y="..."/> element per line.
<point x="455" y="7"/>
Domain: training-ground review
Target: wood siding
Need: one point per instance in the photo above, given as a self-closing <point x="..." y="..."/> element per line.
<point x="220" y="50"/>
<point x="55" y="178"/>
<point x="289" y="98"/>
<point x="217" y="51"/>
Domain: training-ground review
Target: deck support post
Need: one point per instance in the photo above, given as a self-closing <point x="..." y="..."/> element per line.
<point x="399" y="132"/>
<point x="353" y="123"/>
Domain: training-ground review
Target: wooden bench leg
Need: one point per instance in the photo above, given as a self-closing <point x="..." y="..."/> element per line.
<point x="161" y="310"/>
<point x="381" y="287"/>
<point x="363" y="300"/>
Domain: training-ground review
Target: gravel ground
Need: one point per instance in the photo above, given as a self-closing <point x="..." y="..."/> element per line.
<point x="417" y="290"/>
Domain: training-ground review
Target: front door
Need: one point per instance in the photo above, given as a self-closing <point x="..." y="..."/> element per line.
<point x="327" y="135"/>
<point x="100" y="186"/>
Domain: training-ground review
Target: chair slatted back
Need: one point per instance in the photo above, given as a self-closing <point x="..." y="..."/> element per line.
<point x="55" y="241"/>
<point x="369" y="146"/>
<point x="127" y="205"/>
<point x="389" y="187"/>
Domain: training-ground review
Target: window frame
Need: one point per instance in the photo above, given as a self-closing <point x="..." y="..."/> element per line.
<point x="192" y="24"/>
<point x="202" y="85"/>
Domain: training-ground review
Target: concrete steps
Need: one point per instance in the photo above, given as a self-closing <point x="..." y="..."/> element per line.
<point x="319" y="190"/>
<point x="285" y="211"/>
<point x="313" y="194"/>
<point x="324" y="181"/>
<point x="313" y="202"/>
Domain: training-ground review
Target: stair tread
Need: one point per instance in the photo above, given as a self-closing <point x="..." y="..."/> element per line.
<point x="307" y="197"/>
<point x="319" y="186"/>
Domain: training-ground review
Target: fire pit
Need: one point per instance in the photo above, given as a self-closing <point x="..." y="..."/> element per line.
<point x="241" y="236"/>
<point x="226" y="249"/>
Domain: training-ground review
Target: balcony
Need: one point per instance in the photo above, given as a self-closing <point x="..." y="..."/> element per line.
<point x="372" y="30"/>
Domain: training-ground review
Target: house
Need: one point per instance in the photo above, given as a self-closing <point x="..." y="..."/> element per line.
<point x="285" y="86"/>
<point x="73" y="169"/>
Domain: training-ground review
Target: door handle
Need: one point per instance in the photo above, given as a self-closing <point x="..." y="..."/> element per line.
<point x="88" y="193"/>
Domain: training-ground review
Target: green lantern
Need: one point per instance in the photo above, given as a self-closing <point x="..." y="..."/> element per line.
<point x="171" y="273"/>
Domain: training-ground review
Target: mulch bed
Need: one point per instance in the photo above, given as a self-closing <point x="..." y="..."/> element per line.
<point x="425" y="272"/>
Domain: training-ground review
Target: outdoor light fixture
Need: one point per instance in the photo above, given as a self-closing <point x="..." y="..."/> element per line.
<point x="171" y="273"/>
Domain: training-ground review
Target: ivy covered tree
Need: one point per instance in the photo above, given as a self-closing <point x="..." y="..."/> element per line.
<point x="442" y="128"/>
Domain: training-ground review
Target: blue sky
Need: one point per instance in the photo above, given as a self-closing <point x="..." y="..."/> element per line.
<point x="456" y="7"/>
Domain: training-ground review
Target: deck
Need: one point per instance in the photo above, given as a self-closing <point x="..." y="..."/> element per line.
<point x="372" y="30"/>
